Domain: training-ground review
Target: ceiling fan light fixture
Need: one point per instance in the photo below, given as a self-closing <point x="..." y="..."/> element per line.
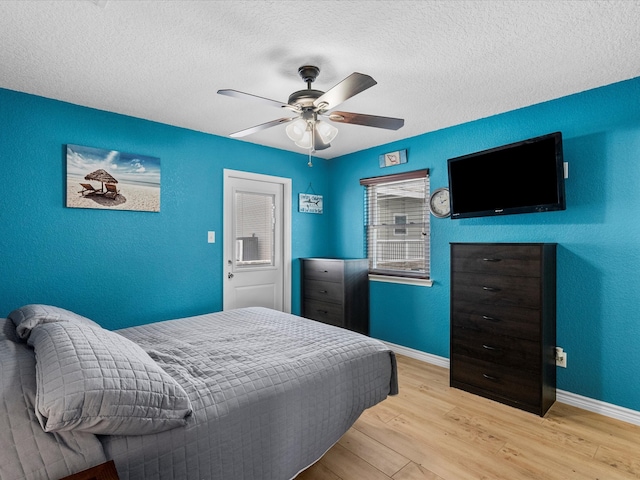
<point x="297" y="129"/>
<point x="305" y="140"/>
<point x="326" y="131"/>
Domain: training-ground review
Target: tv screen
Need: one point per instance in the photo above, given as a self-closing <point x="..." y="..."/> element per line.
<point x="522" y="177"/>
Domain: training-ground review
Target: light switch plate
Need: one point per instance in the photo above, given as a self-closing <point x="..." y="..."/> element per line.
<point x="211" y="237"/>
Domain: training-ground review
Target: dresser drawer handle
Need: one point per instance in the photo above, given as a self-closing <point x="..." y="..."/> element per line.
<point x="492" y="259"/>
<point x="323" y="271"/>
<point x="490" y="289"/>
<point x="323" y="291"/>
<point x="491" y="319"/>
<point x="489" y="347"/>
<point x="489" y="377"/>
<point x="323" y="311"/>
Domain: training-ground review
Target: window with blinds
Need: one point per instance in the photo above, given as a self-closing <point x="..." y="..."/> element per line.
<point x="397" y="224"/>
<point x="254" y="229"/>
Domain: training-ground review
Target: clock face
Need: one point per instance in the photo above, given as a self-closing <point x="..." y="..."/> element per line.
<point x="439" y="203"/>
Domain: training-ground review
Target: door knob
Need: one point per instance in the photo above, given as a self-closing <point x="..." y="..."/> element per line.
<point x="229" y="275"/>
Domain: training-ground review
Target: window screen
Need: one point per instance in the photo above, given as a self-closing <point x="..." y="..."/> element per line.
<point x="397" y="224"/>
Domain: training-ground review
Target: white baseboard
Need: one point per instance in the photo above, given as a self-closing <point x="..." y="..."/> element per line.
<point x="418" y="355"/>
<point x="586" y="403"/>
<point x="597" y="406"/>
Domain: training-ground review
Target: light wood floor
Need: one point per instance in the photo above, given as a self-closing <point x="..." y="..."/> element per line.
<point x="431" y="431"/>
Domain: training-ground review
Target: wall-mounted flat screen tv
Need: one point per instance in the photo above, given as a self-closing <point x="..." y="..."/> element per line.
<point x="522" y="177"/>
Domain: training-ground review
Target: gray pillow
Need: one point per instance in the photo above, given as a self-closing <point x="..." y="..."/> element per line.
<point x="27" y="317"/>
<point x="94" y="380"/>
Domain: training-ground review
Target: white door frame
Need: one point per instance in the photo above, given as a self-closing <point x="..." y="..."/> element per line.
<point x="286" y="233"/>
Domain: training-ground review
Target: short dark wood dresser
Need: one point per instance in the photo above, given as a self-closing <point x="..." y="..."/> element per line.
<point x="336" y="291"/>
<point x="503" y="322"/>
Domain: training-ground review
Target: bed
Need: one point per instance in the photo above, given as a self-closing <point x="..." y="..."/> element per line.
<point x="242" y="394"/>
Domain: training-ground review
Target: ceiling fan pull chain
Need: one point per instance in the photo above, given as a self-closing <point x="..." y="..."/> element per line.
<point x="312" y="147"/>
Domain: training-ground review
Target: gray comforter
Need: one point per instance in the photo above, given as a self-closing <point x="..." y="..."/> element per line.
<point x="270" y="394"/>
<point x="26" y="450"/>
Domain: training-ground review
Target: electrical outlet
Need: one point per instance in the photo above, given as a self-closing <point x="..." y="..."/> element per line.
<point x="561" y="357"/>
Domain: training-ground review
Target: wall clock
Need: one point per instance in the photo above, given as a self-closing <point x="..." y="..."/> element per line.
<point x="439" y="203"/>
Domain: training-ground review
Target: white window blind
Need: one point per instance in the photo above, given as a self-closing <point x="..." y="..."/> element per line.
<point x="254" y="229"/>
<point x="397" y="224"/>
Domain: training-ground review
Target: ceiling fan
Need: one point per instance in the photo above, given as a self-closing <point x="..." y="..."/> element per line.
<point x="309" y="129"/>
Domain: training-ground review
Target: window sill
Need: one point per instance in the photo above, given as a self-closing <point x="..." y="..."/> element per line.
<point x="422" y="282"/>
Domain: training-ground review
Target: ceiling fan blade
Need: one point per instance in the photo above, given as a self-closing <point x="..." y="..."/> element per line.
<point x="262" y="126"/>
<point x="248" y="96"/>
<point x="367" y="120"/>
<point x="347" y="88"/>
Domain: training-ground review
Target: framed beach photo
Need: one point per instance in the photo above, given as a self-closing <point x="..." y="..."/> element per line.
<point x="112" y="180"/>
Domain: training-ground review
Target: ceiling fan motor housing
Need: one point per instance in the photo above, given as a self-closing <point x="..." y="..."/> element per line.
<point x="308" y="73"/>
<point x="304" y="98"/>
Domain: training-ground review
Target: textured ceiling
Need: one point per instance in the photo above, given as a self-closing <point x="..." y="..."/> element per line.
<point x="437" y="63"/>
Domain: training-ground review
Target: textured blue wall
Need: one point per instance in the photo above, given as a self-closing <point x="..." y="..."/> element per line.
<point x="127" y="268"/>
<point x="598" y="235"/>
<point x="124" y="268"/>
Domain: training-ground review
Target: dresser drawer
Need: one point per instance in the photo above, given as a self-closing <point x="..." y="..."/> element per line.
<point x="327" y="270"/>
<point x="494" y="379"/>
<point x="325" y="312"/>
<point x="495" y="319"/>
<point x="515" y="353"/>
<point x="496" y="289"/>
<point x="324" y="291"/>
<point x="521" y="260"/>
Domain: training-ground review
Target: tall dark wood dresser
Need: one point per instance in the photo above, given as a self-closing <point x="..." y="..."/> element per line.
<point x="336" y="291"/>
<point x="503" y="322"/>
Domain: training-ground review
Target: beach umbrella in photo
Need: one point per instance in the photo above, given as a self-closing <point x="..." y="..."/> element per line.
<point x="101" y="176"/>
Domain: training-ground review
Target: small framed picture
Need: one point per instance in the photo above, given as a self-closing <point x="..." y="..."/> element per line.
<point x="392" y="158"/>
<point x="309" y="203"/>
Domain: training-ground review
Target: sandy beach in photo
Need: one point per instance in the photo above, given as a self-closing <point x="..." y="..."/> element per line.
<point x="130" y="196"/>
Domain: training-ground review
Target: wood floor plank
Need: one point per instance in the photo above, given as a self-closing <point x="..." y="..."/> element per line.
<point x="451" y="454"/>
<point x="348" y="466"/>
<point x="318" y="471"/>
<point x="394" y="439"/>
<point x="445" y="455"/>
<point x="619" y="460"/>
<point x="385" y="459"/>
<point x="506" y="426"/>
<point x="592" y="426"/>
<point x="431" y="431"/>
<point x="561" y="465"/>
<point x="413" y="471"/>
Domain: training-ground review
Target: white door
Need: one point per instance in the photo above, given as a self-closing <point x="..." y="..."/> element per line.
<point x="257" y="241"/>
